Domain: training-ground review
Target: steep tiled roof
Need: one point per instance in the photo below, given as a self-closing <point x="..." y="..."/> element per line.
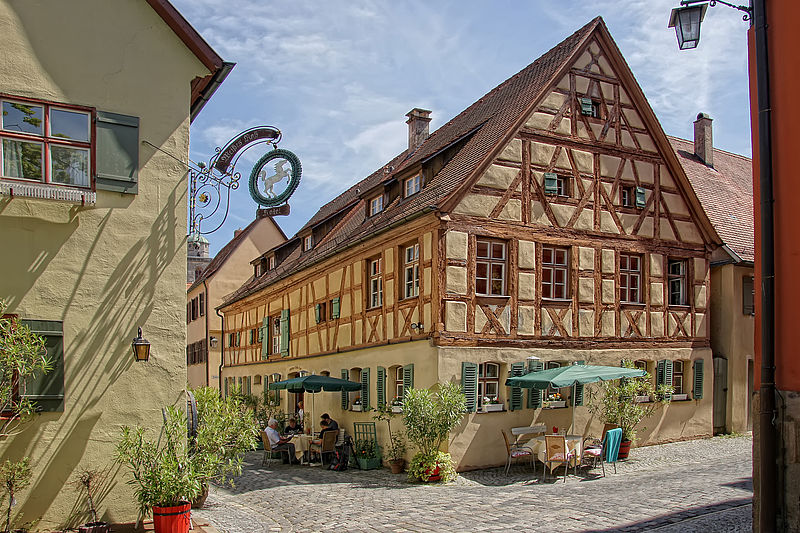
<point x="482" y="127"/>
<point x="726" y="192"/>
<point x="225" y="252"/>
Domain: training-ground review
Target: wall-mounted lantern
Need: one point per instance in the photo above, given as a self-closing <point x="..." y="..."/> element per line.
<point x="686" y="21"/>
<point x="141" y="348"/>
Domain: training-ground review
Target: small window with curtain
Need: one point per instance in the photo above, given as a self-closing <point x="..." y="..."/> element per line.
<point x="488" y="384"/>
<point x="411" y="186"/>
<point x="375" y="280"/>
<point x="411" y="271"/>
<point x="677" y="377"/>
<point x="375" y="205"/>
<point x="490" y="268"/>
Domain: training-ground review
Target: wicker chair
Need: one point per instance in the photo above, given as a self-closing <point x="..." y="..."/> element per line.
<point x="557" y="452"/>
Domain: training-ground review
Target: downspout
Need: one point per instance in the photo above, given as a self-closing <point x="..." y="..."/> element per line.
<point x="768" y="456"/>
<point x="208" y="337"/>
<point x="221" y="348"/>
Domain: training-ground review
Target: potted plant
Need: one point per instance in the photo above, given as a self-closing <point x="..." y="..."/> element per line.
<point x="226" y="429"/>
<point x="429" y="417"/>
<point x="88" y="481"/>
<point x="368" y="454"/>
<point x="554" y="401"/>
<point x="356" y="405"/>
<point x="397" y="405"/>
<point x="397" y="444"/>
<point x="165" y="477"/>
<point x="14" y="476"/>
<point x="615" y="402"/>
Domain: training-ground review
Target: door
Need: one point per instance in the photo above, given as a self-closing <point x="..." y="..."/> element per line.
<point x="720" y="394"/>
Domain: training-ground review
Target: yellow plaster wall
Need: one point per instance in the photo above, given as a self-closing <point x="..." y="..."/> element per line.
<point x="105" y="269"/>
<point x="478" y="443"/>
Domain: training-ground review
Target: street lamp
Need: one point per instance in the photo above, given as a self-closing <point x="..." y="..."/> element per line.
<point x="141" y="348"/>
<point x="686" y="21"/>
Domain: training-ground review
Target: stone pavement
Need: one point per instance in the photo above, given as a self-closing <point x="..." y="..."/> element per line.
<point x="703" y="485"/>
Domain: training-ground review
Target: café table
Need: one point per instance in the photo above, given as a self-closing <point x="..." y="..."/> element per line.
<point x="302" y="444"/>
<point x="574" y="444"/>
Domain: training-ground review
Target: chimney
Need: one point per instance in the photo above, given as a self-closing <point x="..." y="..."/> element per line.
<point x="237" y="232"/>
<point x="418" y="122"/>
<point x="703" y="143"/>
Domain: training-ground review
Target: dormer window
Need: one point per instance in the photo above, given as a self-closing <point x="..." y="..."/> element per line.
<point x="271" y="262"/>
<point x="307" y="243"/>
<point x="376" y="205"/>
<point x="411" y="186"/>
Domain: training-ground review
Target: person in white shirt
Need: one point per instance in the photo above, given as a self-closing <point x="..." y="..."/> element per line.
<point x="278" y="444"/>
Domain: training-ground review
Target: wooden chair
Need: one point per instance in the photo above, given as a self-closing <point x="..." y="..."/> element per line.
<point x="328" y="444"/>
<point x="269" y="455"/>
<point x="515" y="451"/>
<point x="557" y="452"/>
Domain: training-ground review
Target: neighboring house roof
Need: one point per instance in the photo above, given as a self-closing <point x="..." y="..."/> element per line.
<point x="482" y="129"/>
<point x="726" y="192"/>
<point x="202" y="87"/>
<point x="226" y="252"/>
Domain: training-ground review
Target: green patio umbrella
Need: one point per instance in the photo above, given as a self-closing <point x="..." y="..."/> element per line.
<point x="314" y="383"/>
<point x="571" y="376"/>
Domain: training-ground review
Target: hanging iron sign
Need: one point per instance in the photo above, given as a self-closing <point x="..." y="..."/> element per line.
<point x="252" y="135"/>
<point x="275" y="177"/>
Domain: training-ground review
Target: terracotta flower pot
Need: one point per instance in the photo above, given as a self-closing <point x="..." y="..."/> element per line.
<point x="397" y="465"/>
<point x="200" y="501"/>
<point x="94" y="527"/>
<point x="172" y="519"/>
<point x="624" y="449"/>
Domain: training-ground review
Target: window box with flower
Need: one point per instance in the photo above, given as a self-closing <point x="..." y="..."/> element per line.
<point x="492" y="404"/>
<point x="397" y="405"/>
<point x="554" y="401"/>
<point x="356" y="405"/>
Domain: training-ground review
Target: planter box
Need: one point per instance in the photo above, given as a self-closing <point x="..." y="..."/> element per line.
<point x="397" y="408"/>
<point x="555" y="404"/>
<point x="368" y="464"/>
<point x="679" y="397"/>
<point x="356" y="408"/>
<point x="492" y="407"/>
<point x="641" y="399"/>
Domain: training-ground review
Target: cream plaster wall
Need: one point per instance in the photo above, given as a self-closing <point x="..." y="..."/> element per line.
<point x="732" y="337"/>
<point x="105" y="269"/>
<point x="478" y="443"/>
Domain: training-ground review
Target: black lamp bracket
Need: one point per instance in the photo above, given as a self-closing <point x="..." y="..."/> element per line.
<point x="747" y="10"/>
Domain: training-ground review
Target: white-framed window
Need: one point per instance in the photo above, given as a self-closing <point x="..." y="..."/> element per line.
<point x="627" y="196"/>
<point x="375" y="295"/>
<point x="46" y="143"/>
<point x="398" y="382"/>
<point x="630" y="278"/>
<point x="276" y="334"/>
<point x="271" y="262"/>
<point x="376" y="205"/>
<point x="490" y="267"/>
<point x="307" y="243"/>
<point x="488" y="383"/>
<point x="555" y="273"/>
<point x="676" y="281"/>
<point x="411" y="271"/>
<point x="411" y="186"/>
<point x="677" y="377"/>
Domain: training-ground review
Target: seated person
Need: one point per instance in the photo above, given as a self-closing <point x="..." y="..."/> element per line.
<point x="328" y="424"/>
<point x="278" y="444"/>
<point x="293" y="428"/>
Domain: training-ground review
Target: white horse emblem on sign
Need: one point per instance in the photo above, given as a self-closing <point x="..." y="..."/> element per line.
<point x="269" y="182"/>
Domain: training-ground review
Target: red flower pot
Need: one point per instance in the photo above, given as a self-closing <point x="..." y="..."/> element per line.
<point x="172" y="519"/>
<point x="433" y="474"/>
<point x="624" y="449"/>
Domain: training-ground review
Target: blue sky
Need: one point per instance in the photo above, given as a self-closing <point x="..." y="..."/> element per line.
<point x="338" y="77"/>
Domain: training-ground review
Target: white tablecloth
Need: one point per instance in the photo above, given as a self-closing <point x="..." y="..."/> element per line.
<point x="574" y="444"/>
<point x="301" y="444"/>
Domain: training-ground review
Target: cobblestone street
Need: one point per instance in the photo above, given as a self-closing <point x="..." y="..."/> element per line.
<point x="703" y="485"/>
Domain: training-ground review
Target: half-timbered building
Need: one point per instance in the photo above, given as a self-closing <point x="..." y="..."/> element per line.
<point x="549" y="222"/>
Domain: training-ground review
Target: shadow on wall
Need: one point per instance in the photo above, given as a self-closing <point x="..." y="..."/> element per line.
<point x="103" y="348"/>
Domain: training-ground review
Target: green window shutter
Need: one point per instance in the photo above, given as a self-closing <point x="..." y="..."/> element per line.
<point x="47" y="390"/>
<point x="263" y="338"/>
<point x="365" y="389"/>
<point x="515" y="401"/>
<point x="226" y="387"/>
<point x="578" y="392"/>
<point x="380" y="383"/>
<point x="534" y="395"/>
<point x="285" y="333"/>
<point x="469" y="385"/>
<point x="316" y="312"/>
<point x="660" y="366"/>
<point x="586" y="106"/>
<point x="408" y="378"/>
<point x="698" y="379"/>
<point x="249" y="384"/>
<point x="641" y="198"/>
<point x="345" y="399"/>
<point x="335" y="308"/>
<point x="117" y="153"/>
<point x="550" y="183"/>
<point x="668" y="375"/>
